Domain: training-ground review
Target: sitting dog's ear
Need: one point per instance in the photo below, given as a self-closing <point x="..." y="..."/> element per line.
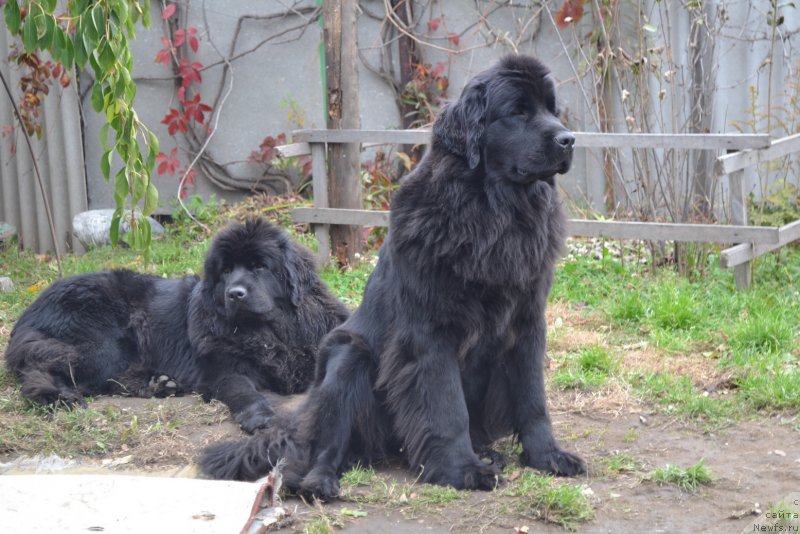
<point x="300" y="270"/>
<point x="460" y="125"/>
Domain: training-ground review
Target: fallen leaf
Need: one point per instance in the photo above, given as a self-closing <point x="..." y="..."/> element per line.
<point x="349" y="512"/>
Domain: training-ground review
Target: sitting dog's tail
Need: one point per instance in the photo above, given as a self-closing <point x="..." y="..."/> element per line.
<point x="254" y="457"/>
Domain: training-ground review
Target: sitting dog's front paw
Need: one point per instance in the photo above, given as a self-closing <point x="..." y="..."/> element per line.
<point x="555" y="461"/>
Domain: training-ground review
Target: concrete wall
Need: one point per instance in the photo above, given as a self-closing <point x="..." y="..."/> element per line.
<point x="288" y="69"/>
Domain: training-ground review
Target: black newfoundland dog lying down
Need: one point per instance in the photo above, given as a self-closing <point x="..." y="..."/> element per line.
<point x="251" y="325"/>
<point x="445" y="354"/>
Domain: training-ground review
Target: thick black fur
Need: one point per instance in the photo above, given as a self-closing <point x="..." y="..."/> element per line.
<point x="445" y="354"/>
<point x="251" y="325"/>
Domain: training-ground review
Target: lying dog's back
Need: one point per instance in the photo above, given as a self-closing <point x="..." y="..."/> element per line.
<point x="84" y="331"/>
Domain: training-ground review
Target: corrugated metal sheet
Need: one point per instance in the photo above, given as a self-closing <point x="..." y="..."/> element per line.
<point x="60" y="158"/>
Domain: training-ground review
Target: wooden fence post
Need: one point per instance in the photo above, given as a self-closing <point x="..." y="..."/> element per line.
<point x="341" y="74"/>
<point x="738" y="200"/>
<point x="319" y="178"/>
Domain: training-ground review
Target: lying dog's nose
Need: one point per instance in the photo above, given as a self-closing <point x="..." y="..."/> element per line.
<point x="237" y="293"/>
<point x="565" y="140"/>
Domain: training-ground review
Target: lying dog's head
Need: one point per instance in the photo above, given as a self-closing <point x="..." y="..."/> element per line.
<point x="253" y="271"/>
<point x="507" y="119"/>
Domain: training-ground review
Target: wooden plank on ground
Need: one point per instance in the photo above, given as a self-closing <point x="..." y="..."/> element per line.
<point x="582" y="139"/>
<point x="712" y="233"/>
<point x="653" y="231"/>
<point x="744" y="252"/>
<point x="747" y="158"/>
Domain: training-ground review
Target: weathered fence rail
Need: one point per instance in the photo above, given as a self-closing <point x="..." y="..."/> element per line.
<point x="744" y="150"/>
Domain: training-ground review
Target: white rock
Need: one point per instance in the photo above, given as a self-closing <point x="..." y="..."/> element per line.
<point x="93" y="227"/>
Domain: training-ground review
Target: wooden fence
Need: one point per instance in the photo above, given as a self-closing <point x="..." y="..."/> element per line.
<point x="744" y="150"/>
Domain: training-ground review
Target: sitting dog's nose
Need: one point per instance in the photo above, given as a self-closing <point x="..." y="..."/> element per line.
<point x="565" y="140"/>
<point x="237" y="293"/>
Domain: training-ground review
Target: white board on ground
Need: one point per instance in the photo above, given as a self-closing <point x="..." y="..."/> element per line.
<point x="115" y="504"/>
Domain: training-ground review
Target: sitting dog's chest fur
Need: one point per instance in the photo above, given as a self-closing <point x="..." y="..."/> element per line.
<point x="491" y="275"/>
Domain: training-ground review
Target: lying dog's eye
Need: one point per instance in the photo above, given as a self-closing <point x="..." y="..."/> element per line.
<point x="226" y="270"/>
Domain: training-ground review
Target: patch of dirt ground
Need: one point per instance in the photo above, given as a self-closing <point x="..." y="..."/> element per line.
<point x="754" y="463"/>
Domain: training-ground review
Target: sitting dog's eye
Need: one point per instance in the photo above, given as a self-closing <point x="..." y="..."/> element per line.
<point x="226" y="270"/>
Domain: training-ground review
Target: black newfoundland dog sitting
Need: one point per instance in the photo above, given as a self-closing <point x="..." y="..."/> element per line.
<point x="445" y="354"/>
<point x="251" y="325"/>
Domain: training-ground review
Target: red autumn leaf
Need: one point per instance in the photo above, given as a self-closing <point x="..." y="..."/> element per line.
<point x="168" y="164"/>
<point x="190" y="72"/>
<point x="453" y="38"/>
<point x="195" y="109"/>
<point x="433" y="24"/>
<point x="168" y="11"/>
<point x="164" y="56"/>
<point x="571" y="12"/>
<point x="181" y="93"/>
<point x="439" y="69"/>
<point x="65" y="79"/>
<point x="56" y="71"/>
<point x="191" y="34"/>
<point x="175" y="121"/>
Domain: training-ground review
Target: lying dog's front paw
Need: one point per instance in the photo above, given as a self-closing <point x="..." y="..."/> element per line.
<point x="162" y="386"/>
<point x="254" y="417"/>
<point x="320" y="483"/>
<point x="555" y="461"/>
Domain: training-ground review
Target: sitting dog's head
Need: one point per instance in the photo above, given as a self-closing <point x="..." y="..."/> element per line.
<point x="507" y="120"/>
<point x="254" y="272"/>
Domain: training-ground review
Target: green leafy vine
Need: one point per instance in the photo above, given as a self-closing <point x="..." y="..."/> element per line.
<point x="98" y="32"/>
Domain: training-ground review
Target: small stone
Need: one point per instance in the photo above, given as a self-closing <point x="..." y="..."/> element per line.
<point x="6" y="284"/>
<point x="93" y="227"/>
<point x="7" y="234"/>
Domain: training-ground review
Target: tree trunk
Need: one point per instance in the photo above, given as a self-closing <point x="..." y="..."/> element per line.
<point x="701" y="52"/>
<point x="341" y="72"/>
<point x="408" y="57"/>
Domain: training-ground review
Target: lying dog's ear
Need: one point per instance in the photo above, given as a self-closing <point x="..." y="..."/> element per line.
<point x="460" y="125"/>
<point x="300" y="270"/>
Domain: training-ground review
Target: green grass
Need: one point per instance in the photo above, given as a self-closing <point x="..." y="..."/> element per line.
<point x="551" y="500"/>
<point x="754" y="335"/>
<point x="588" y="368"/>
<point x="322" y="524"/>
<point x="358" y="476"/>
<point x="762" y="331"/>
<point x="348" y="284"/>
<point x="621" y="463"/>
<point x="677" y="395"/>
<point x="629" y="307"/>
<point x="687" y="479"/>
